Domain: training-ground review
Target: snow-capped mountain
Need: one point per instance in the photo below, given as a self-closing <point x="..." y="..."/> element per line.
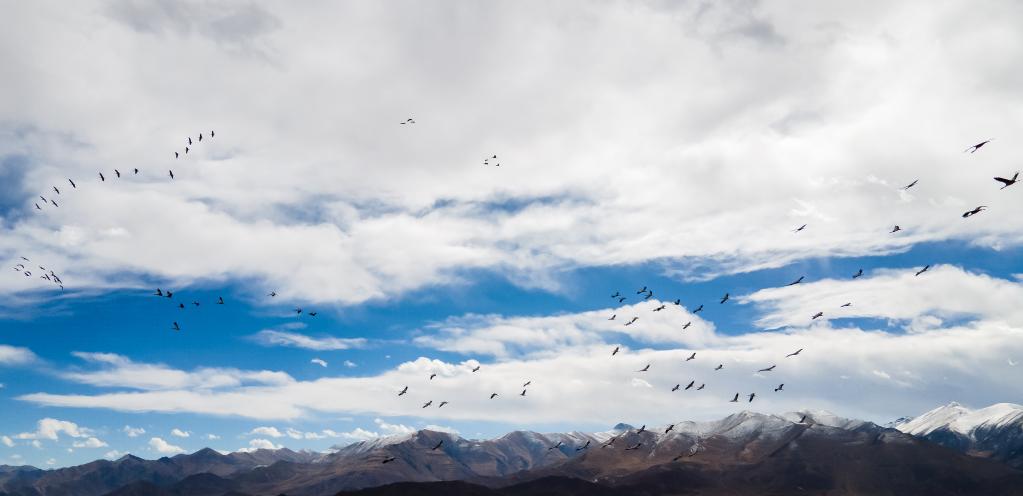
<point x="992" y="432"/>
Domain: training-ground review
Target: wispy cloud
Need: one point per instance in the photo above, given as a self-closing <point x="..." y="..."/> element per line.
<point x="269" y="337"/>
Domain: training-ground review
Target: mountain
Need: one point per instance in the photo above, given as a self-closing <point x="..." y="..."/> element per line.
<point x="743" y="454"/>
<point x="994" y="432"/>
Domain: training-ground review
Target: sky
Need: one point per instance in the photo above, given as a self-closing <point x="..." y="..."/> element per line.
<point x="675" y="146"/>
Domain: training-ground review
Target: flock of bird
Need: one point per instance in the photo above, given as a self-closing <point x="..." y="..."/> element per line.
<point x="645" y="293"/>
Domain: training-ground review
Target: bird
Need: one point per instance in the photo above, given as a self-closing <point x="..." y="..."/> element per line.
<point x="910" y="185"/>
<point x="617" y="294"/>
<point x="176" y="326"/>
<point x="211" y="134"/>
<point x="186" y="150"/>
<point x="298" y="310"/>
<point x="117" y="172"/>
<point x="158" y="292"/>
<point x="54" y="203"/>
<point x="523" y="393"/>
<point x="609" y="442"/>
<point x="171" y="174"/>
<point x="698" y="309"/>
<point x="751" y="396"/>
<point x="181" y="306"/>
<point x="403" y="391"/>
<point x="817" y="315"/>
<point x="701" y="386"/>
<point x="57" y="190"/>
<point x="442" y="404"/>
<point x="428" y="403"/>
<point x="200" y="136"/>
<point x="72" y="183"/>
<point x="477" y="369"/>
<point x="433" y="375"/>
<point x="189" y="140"/>
<point x="797" y="281"/>
<point x="170" y="294"/>
<point x="587" y="445"/>
<point x="794" y="353"/>
<point x="724" y="298"/>
<point x="389" y="459"/>
<point x="895" y="229"/>
<point x="101" y="178"/>
<point x="676" y="388"/>
<point x="648" y="296"/>
<point x="408" y="121"/>
<point x="493" y="395"/>
<point x="1006" y="182"/>
<point x="311" y="314"/>
<point x="677" y="302"/>
<point x="691" y="357"/>
<point x="970" y="213"/>
<point x="634" y="319"/>
<point x="175" y="154"/>
<point x="669" y="429"/>
<point x="437" y="446"/>
<point x="690" y="386"/>
<point x="779" y="388"/>
<point x="768" y="369"/>
<point x="37" y="207"/>
<point x="556" y="446"/>
<point x="136" y="170"/>
<point x="976" y="147"/>
<point x="634" y="447"/>
<point x="642" y="290"/>
<point x="800" y="228"/>
<point x="615" y="351"/>
<point x="921" y="271"/>
<point x="687" y="325"/>
<point x="846" y="305"/>
<point x="613" y="316"/>
<point x="658" y="309"/>
<point x="621" y="299"/>
<point x="196" y="303"/>
<point x="644" y="369"/>
<point x="272" y="294"/>
<point x="527" y="383"/>
<point x="641" y="429"/>
<point x="720" y="366"/>
<point x="220" y="300"/>
<point x="735" y="399"/>
<point x="802" y="419"/>
<point x="858" y="274"/>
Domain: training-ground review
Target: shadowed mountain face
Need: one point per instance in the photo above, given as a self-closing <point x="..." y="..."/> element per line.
<point x="745" y="453"/>
<point x="994" y="432"/>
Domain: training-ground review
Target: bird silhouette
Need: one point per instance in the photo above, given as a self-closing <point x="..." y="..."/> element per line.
<point x="408" y="121"/>
<point x="648" y="296"/>
<point x="220" y="300"/>
<point x="794" y="353"/>
<point x="846" y="305"/>
<point x="493" y="395"/>
<point x="523" y="393"/>
<point x="687" y="325"/>
<point x="858" y="273"/>
<point x="921" y="271"/>
<point x="527" y="383"/>
<point x="644" y="369"/>
<point x="272" y="294"/>
<point x="57" y="190"/>
<point x="389" y="460"/>
<point x="724" y="298"/>
<point x="641" y="429"/>
<point x="768" y="369"/>
<point x="196" y="303"/>
<point x="311" y="314"/>
<point x="101" y="178"/>
<point x="621" y="299"/>
<point x="634" y="319"/>
<point x="158" y="292"/>
<point x="613" y="317"/>
<point x="751" y="396"/>
<point x="403" y="391"/>
<point x="428" y="403"/>
<point x="189" y="140"/>
<point x="433" y="375"/>
<point x="556" y="446"/>
<point x="615" y="351"/>
<point x="37" y="207"/>
<point x="176" y="326"/>
<point x="298" y="310"/>
<point x="72" y="184"/>
<point x="895" y="229"/>
<point x="658" y="309"/>
<point x="803" y="419"/>
<point x="800" y="228"/>
<point x="617" y="294"/>
<point x="117" y="172"/>
<point x="437" y="446"/>
<point x="634" y="447"/>
<point x="678" y="302"/>
<point x="676" y="388"/>
<point x="186" y="150"/>
<point x="690" y="386"/>
<point x="701" y="387"/>
<point x="171" y="173"/>
<point x="175" y="154"/>
<point x="817" y="315"/>
<point x="698" y="309"/>
<point x="200" y="137"/>
<point x="477" y="369"/>
<point x="442" y="404"/>
<point x="910" y="185"/>
<point x="720" y="366"/>
<point x="976" y="147"/>
<point x="670" y="428"/>
<point x="691" y="357"/>
<point x="797" y="281"/>
<point x="136" y="171"/>
<point x="735" y="399"/>
<point x="1008" y="182"/>
<point x="54" y="203"/>
<point x="971" y="213"/>
<point x="779" y="388"/>
<point x="587" y="445"/>
<point x="642" y="290"/>
<point x="211" y="134"/>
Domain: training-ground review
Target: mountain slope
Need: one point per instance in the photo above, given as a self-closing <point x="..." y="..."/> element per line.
<point x="994" y="432"/>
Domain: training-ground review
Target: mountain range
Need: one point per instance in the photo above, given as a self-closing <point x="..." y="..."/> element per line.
<point x="950" y="450"/>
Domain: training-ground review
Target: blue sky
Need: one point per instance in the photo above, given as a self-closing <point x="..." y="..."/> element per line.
<point x="621" y="167"/>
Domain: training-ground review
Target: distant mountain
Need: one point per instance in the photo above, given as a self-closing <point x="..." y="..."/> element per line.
<point x="994" y="432"/>
<point x="742" y="454"/>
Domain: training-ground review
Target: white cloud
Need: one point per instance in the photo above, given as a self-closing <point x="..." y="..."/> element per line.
<point x="163" y="447"/>
<point x="13" y="355"/>
<point x="269" y="337"/>
<point x="50" y="428"/>
<point x="51" y="461"/>
<point x="319" y="362"/>
<point x="258" y="444"/>
<point x="133" y="431"/>
<point x="113" y="454"/>
<point x="350" y="364"/>
<point x="179" y="433"/>
<point x="90" y="442"/>
<point x="266" y="431"/>
<point x="122" y="372"/>
<point x="6" y="440"/>
<point x="212" y="436"/>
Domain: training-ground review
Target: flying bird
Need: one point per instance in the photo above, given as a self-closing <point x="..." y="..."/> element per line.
<point x="200" y="136"/>
<point x="220" y="300"/>
<point x="690" y="386"/>
<point x="751" y="396"/>
<point x="189" y="140"/>
<point x="678" y="302"/>
<point x="37" y="207"/>
<point x="720" y="366"/>
<point x="921" y="271"/>
<point x="587" y="445"/>
<point x="176" y="327"/>
<point x="687" y="325"/>
<point x="196" y="303"/>
<point x="117" y="172"/>
<point x="403" y="391"/>
<point x="615" y="352"/>
<point x="527" y="383"/>
<point x="797" y="281"/>
<point x="970" y="213"/>
<point x="186" y="150"/>
<point x="910" y="185"/>
<point x="701" y="387"/>
<point x="1004" y="181"/>
<point x="437" y="446"/>
<point x="609" y="442"/>
<point x="735" y="399"/>
<point x="72" y="183"/>
<point x="433" y="375"/>
<point x="800" y="228"/>
<point x="298" y="310"/>
<point x="57" y="190"/>
<point x="621" y="299"/>
<point x="658" y="309"/>
<point x="158" y="292"/>
<point x="272" y="294"/>
<point x="644" y="369"/>
<point x="171" y="174"/>
<point x="724" y="298"/>
<point x="136" y="171"/>
<point x="428" y="403"/>
<point x="817" y="315"/>
<point x="691" y="357"/>
<point x="613" y="316"/>
<point x="556" y="446"/>
<point x="858" y="274"/>
<point x="641" y="429"/>
<point x="54" y="203"/>
<point x="175" y="154"/>
<point x="895" y="229"/>
<point x="477" y="369"/>
<point x="408" y="121"/>
<point x="634" y="319"/>
<point x="676" y="388"/>
<point x="648" y="296"/>
<point x="442" y="404"/>
<point x="803" y="419"/>
<point x="670" y="428"/>
<point x="101" y="178"/>
<point x="389" y="459"/>
<point x="976" y="147"/>
<point x="523" y="393"/>
<point x="768" y="369"/>
<point x="634" y="447"/>
<point x="779" y="388"/>
<point x="493" y="395"/>
<point x="617" y="294"/>
<point x="794" y="353"/>
<point x="698" y="309"/>
<point x="642" y="290"/>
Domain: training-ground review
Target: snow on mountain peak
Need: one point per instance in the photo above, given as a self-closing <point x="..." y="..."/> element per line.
<point x="962" y="420"/>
